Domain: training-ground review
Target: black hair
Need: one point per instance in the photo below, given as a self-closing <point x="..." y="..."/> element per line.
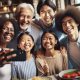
<point x="57" y="46"/>
<point x="19" y="39"/>
<point x="70" y="11"/>
<point x="15" y="26"/>
<point x="46" y="2"/>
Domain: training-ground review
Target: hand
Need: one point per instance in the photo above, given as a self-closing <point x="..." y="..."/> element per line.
<point x="44" y="65"/>
<point x="4" y="55"/>
<point x="63" y="50"/>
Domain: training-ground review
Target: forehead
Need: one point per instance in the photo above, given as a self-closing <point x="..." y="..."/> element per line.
<point x="26" y="11"/>
<point x="67" y="18"/>
<point x="46" y="7"/>
<point x="8" y="24"/>
<point x="48" y="35"/>
<point x="25" y="37"/>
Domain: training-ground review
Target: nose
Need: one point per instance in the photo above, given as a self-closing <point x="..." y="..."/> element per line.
<point x="25" y="19"/>
<point x="9" y="31"/>
<point x="67" y="24"/>
<point x="26" y="42"/>
<point x="47" y="40"/>
<point x="47" y="14"/>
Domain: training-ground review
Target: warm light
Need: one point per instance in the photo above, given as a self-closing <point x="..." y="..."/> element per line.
<point x="14" y="9"/>
<point x="5" y="8"/>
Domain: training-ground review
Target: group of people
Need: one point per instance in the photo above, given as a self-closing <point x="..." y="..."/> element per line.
<point x="51" y="44"/>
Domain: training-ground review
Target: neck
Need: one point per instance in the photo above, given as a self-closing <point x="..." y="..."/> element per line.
<point x="49" y="53"/>
<point x="28" y="56"/>
<point x="74" y="37"/>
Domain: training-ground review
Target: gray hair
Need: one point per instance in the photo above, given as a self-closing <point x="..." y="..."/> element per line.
<point x="24" y="5"/>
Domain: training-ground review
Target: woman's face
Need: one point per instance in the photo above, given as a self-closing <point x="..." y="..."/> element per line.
<point x="7" y="32"/>
<point x="26" y="43"/>
<point x="48" y="41"/>
<point x="47" y="14"/>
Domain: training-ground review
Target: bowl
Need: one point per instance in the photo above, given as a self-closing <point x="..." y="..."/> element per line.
<point x="70" y="74"/>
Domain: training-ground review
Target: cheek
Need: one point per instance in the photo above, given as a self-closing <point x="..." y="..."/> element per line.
<point x="21" y="44"/>
<point x="20" y="20"/>
<point x="30" y="20"/>
<point x="64" y="28"/>
<point x="42" y="16"/>
<point x="13" y="33"/>
<point x="43" y="43"/>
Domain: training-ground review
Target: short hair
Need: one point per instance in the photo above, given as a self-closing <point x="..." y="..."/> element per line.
<point x="22" y="6"/>
<point x="70" y="11"/>
<point x="46" y="2"/>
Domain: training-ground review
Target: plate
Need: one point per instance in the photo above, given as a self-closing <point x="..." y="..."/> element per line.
<point x="40" y="78"/>
<point x="70" y="73"/>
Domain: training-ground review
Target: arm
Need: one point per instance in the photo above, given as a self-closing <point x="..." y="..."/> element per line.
<point x="42" y="66"/>
<point x="65" y="57"/>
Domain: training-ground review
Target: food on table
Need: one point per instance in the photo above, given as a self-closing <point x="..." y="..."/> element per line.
<point x="37" y="78"/>
<point x="72" y="74"/>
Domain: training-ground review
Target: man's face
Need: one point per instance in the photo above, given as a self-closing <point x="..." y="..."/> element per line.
<point x="70" y="27"/>
<point x="7" y="32"/>
<point x="25" y="18"/>
<point x="47" y="14"/>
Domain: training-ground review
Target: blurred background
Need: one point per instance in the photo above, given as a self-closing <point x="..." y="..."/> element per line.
<point x="8" y="7"/>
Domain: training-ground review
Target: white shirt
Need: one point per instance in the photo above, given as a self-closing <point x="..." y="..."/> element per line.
<point x="5" y="72"/>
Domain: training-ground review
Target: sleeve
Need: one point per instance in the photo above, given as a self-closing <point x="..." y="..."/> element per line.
<point x="40" y="66"/>
<point x="65" y="61"/>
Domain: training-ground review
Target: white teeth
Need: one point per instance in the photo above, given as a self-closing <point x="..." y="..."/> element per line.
<point x="8" y="36"/>
<point x="69" y="30"/>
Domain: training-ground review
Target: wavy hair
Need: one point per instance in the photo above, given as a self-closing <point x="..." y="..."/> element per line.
<point x="70" y="11"/>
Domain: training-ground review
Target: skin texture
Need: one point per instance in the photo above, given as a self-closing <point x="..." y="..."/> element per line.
<point x="49" y="41"/>
<point x="70" y="27"/>
<point x="25" y="18"/>
<point x="47" y="14"/>
<point x="7" y="32"/>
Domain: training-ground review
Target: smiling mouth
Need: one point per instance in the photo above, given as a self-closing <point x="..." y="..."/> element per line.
<point x="7" y="37"/>
<point x="69" y="31"/>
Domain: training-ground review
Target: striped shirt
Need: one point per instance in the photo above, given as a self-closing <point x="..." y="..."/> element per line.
<point x="24" y="69"/>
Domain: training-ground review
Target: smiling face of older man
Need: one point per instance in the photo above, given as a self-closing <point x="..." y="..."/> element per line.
<point x="25" y="18"/>
<point x="24" y="15"/>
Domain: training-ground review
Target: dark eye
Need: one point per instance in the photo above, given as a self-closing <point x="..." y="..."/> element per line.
<point x="28" y="16"/>
<point x="4" y="28"/>
<point x="44" y="38"/>
<point x="12" y="30"/>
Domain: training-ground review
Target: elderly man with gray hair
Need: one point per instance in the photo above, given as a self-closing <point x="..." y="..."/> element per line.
<point x="24" y="15"/>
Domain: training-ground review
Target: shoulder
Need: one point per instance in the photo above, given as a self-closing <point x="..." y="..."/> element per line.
<point x="64" y="41"/>
<point x="35" y="25"/>
<point x="39" y="54"/>
<point x="58" y="53"/>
